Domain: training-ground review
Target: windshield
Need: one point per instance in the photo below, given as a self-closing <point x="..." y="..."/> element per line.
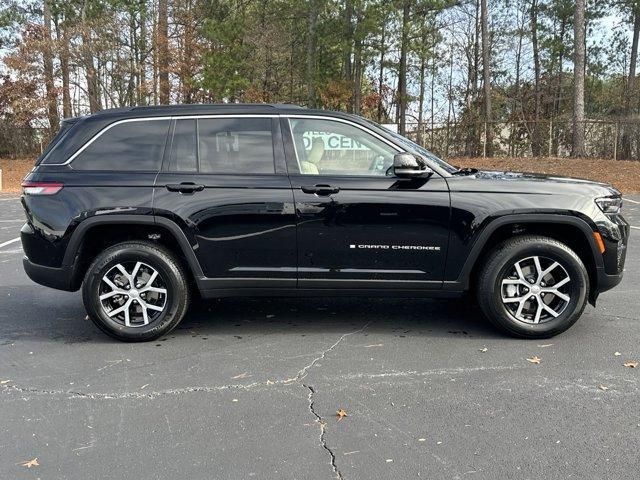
<point x="415" y="148"/>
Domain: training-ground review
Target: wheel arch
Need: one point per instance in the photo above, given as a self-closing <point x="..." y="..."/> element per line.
<point x="96" y="233"/>
<point x="571" y="230"/>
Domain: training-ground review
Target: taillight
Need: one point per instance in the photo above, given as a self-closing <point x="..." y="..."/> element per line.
<point x="41" y="188"/>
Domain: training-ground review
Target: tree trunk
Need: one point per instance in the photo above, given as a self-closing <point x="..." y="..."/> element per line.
<point x="486" y="77"/>
<point x="47" y="56"/>
<point x="536" y="146"/>
<point x="381" y="76"/>
<point x="348" y="41"/>
<point x="357" y="71"/>
<point x="402" y="70"/>
<point x="311" y="53"/>
<point x="578" y="146"/>
<point x="625" y="148"/>
<point x="163" y="52"/>
<point x="421" y="94"/>
<point x="93" y="90"/>
<point x="142" y="63"/>
<point x="64" y="68"/>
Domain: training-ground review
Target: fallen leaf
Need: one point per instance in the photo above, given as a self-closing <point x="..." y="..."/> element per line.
<point x="2" y="382"/>
<point x="270" y="382"/>
<point x="604" y="388"/>
<point x="422" y="439"/>
<point x="617" y="354"/>
<point x="483" y="350"/>
<point x="144" y="386"/>
<point x="341" y="413"/>
<point x="389" y="460"/>
<point x="534" y="359"/>
<point x="242" y="375"/>
<point x="630" y="364"/>
<point x="30" y="463"/>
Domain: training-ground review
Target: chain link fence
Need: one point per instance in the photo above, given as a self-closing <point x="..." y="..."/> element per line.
<point x="618" y="140"/>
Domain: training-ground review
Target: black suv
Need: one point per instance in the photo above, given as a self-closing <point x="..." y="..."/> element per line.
<point x="143" y="207"/>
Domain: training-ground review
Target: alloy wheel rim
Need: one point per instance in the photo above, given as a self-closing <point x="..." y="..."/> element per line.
<point x="535" y="290"/>
<point x="133" y="294"/>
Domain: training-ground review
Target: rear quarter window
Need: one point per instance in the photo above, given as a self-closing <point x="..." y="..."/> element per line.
<point x="130" y="146"/>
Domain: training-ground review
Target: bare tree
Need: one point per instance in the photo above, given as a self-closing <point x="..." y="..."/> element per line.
<point x="162" y="43"/>
<point x="578" y="146"/>
<point x="486" y="76"/>
<point x="93" y="89"/>
<point x="311" y="52"/>
<point x="625" y="150"/>
<point x="47" y="60"/>
<point x="402" y="69"/>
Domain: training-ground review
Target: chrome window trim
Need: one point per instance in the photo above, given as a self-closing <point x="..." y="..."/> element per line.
<point x="145" y="119"/>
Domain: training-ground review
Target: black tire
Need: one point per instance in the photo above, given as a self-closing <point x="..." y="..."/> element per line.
<point x="501" y="261"/>
<point x="170" y="273"/>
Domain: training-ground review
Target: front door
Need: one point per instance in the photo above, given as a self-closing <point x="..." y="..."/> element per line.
<point x="359" y="227"/>
<point x="224" y="181"/>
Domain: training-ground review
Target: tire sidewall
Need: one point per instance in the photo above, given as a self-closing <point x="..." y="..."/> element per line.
<point x="174" y="283"/>
<point x="579" y="288"/>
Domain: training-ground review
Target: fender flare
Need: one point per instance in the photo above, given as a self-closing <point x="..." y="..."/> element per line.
<point x="78" y="235"/>
<point x="512" y="219"/>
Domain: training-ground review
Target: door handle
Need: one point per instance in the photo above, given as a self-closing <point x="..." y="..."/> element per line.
<point x="320" y="189"/>
<point x="185" y="187"/>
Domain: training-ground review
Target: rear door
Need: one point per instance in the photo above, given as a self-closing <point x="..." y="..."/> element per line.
<point x="359" y="226"/>
<point x="224" y="182"/>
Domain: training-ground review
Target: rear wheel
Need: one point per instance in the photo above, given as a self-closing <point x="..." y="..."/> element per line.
<point x="135" y="291"/>
<point x="533" y="287"/>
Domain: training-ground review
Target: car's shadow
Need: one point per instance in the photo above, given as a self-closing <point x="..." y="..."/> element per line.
<point x="57" y="316"/>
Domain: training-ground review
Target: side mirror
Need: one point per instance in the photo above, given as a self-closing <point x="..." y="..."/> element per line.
<point x="406" y="165"/>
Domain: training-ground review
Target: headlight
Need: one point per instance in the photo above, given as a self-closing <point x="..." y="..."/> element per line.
<point x="609" y="204"/>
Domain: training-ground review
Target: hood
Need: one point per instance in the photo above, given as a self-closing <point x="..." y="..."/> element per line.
<point x="538" y="183"/>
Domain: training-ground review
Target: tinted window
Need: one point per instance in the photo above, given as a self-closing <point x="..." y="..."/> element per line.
<point x="135" y="145"/>
<point x="326" y="147"/>
<point x="235" y="145"/>
<point x="184" y="154"/>
<point x="223" y="145"/>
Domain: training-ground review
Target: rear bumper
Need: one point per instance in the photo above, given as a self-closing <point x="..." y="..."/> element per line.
<point x="58" y="278"/>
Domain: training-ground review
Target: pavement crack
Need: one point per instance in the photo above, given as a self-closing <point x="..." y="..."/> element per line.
<point x="303" y="372"/>
<point x="318" y="419"/>
<point x="323" y="430"/>
<point x="125" y="395"/>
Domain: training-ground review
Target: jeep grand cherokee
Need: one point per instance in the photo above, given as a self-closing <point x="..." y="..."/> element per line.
<point x="142" y="207"/>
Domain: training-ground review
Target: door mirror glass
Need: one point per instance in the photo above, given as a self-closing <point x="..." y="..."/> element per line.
<point x="407" y="165"/>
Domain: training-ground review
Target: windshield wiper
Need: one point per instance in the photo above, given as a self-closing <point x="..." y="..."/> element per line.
<point x="465" y="171"/>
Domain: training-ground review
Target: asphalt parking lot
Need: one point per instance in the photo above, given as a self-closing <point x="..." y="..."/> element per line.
<point x="249" y="388"/>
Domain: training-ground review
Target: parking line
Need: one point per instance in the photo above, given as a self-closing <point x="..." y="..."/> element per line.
<point x="629" y="200"/>
<point x="637" y="228"/>
<point x="9" y="242"/>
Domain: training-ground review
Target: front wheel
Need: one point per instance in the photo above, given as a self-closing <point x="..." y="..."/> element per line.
<point x="533" y="287"/>
<point x="135" y="291"/>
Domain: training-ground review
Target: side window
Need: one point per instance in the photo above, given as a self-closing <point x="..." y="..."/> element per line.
<point x="223" y="145"/>
<point x="326" y="147"/>
<point x="131" y="146"/>
<point x="184" y="151"/>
